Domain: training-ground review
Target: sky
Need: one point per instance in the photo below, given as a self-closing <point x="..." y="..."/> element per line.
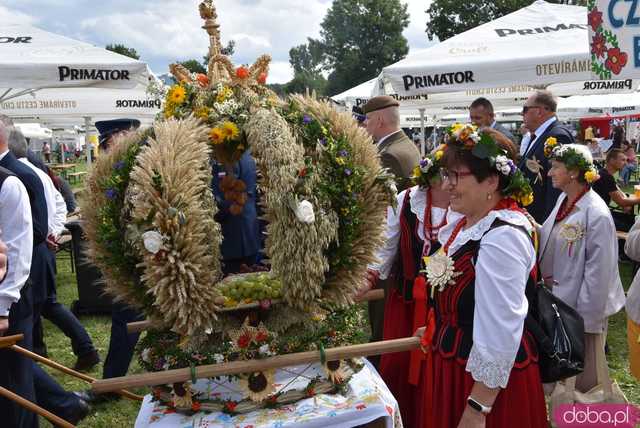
<point x="166" y="31"/>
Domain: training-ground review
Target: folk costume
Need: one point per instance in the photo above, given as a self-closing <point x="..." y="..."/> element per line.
<point x="477" y="323"/>
<point x="412" y="230"/>
<point x="579" y="255"/>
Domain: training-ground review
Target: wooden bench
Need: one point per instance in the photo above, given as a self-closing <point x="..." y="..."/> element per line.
<point x="73" y="176"/>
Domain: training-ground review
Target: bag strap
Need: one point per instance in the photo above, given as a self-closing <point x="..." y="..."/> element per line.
<point x="602" y="370"/>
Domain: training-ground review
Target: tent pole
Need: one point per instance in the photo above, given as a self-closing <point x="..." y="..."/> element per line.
<point x="422" y="133"/>
<point x="87" y="147"/>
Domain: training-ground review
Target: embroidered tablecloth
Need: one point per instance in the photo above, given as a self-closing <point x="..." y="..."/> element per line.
<point x="366" y="400"/>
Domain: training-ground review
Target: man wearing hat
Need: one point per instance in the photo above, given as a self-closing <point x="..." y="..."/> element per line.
<point x="397" y="152"/>
<point x="109" y="129"/>
<point x="400" y="156"/>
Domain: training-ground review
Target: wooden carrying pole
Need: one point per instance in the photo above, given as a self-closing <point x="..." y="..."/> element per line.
<point x="235" y="367"/>
<point x="67" y="370"/>
<point x="140" y="326"/>
<point x="56" y="420"/>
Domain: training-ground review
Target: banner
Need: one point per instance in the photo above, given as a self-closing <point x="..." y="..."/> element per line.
<point x="614" y="38"/>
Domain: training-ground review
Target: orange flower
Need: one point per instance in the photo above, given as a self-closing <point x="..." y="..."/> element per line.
<point x="242" y="72"/>
<point x="195" y="406"/>
<point x="202" y="79"/>
<point x="262" y="78"/>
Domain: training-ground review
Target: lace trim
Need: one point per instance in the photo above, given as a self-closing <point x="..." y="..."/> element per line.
<point x="418" y="203"/>
<point x="492" y="370"/>
<point x="475" y="232"/>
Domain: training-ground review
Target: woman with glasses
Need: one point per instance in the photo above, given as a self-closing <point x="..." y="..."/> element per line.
<point x="412" y="230"/>
<point x="483" y="370"/>
<point x="579" y="249"/>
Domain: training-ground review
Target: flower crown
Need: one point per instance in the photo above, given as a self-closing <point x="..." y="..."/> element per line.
<point x="482" y="146"/>
<point x="572" y="158"/>
<point x="428" y="168"/>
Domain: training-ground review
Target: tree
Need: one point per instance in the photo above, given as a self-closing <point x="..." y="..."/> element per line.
<point x="306" y="61"/>
<point x="359" y="37"/>
<point x="446" y="18"/>
<point x="123" y="50"/>
<point x="194" y="66"/>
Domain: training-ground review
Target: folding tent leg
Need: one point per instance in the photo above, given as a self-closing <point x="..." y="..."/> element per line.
<point x="56" y="420"/>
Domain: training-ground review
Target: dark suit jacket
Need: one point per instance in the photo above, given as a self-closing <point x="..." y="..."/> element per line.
<point x="504" y="131"/>
<point x="400" y="156"/>
<point x="544" y="195"/>
<point x="240" y="232"/>
<point x="42" y="275"/>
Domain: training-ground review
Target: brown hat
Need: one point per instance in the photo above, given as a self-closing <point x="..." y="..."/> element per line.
<point x="379" y="102"/>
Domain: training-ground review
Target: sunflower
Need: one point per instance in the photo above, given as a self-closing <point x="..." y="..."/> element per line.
<point x="230" y="130"/>
<point x="216" y="135"/>
<point x="177" y="94"/>
<point x="202" y="112"/>
<point x="258" y="386"/>
<point x="336" y="371"/>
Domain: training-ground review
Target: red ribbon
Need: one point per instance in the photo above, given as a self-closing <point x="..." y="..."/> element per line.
<point x="420" y="319"/>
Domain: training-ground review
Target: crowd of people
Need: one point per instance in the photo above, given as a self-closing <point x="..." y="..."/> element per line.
<point x="463" y="253"/>
<point x="474" y="231"/>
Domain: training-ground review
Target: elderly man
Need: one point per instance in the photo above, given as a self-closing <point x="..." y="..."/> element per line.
<point x="539" y="115"/>
<point x="400" y="156"/>
<point x="16" y="230"/>
<point x="52" y="310"/>
<point x="397" y="151"/>
<point x="481" y="114"/>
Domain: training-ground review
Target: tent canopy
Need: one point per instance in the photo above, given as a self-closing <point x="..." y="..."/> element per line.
<point x="541" y="44"/>
<point x="31" y="58"/>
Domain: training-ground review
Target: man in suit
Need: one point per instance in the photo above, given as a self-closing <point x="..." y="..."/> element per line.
<point x="482" y="115"/>
<point x="41" y="276"/>
<point x="539" y="116"/>
<point x="397" y="151"/>
<point x="400" y="156"/>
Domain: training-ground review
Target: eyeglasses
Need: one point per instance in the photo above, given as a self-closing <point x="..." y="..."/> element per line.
<point x="453" y="176"/>
<point x="525" y="109"/>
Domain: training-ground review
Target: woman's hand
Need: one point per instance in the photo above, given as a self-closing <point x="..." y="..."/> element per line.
<point x="370" y="281"/>
<point x="472" y="418"/>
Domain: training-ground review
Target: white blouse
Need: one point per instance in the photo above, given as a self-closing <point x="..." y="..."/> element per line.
<point x="505" y="260"/>
<point x="418" y="203"/>
<point x="632" y="248"/>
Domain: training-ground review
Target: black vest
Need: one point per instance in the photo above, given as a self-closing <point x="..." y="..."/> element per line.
<point x="4" y="173"/>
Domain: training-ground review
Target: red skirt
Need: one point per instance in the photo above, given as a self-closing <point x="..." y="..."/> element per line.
<point x="394" y="368"/>
<point x="520" y="404"/>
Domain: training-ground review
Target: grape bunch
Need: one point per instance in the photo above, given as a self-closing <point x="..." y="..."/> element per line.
<point x="250" y="288"/>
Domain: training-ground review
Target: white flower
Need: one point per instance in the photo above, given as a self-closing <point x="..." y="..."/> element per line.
<point x="475" y="137"/>
<point x="152" y="241"/>
<point x="304" y="212"/>
<point x="219" y="358"/>
<point x="503" y="164"/>
<point x="264" y="350"/>
<point x="145" y="355"/>
<point x="165" y="366"/>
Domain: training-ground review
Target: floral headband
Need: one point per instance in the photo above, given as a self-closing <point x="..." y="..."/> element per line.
<point x="428" y="168"/>
<point x="572" y="158"/>
<point x="482" y="146"/>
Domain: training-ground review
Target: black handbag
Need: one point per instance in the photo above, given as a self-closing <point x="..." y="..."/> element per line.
<point x="559" y="333"/>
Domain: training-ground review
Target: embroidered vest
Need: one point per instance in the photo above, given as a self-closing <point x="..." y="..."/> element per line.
<point x="454" y="310"/>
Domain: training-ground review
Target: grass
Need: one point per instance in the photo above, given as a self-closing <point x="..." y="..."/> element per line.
<point x="123" y="412"/>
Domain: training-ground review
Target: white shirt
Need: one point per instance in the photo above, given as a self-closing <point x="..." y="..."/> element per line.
<point x="16" y="230"/>
<point x="381" y="140"/>
<point x="505" y="260"/>
<point x="3" y="154"/>
<point x="540" y="130"/>
<point x="56" y="207"/>
<point x="524" y="144"/>
<point x="632" y="248"/>
<point x="418" y="203"/>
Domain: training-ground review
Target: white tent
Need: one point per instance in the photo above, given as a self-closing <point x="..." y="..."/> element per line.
<point x="31" y="58"/>
<point x="538" y="45"/>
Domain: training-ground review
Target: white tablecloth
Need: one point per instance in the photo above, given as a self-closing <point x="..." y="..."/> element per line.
<point x="367" y="399"/>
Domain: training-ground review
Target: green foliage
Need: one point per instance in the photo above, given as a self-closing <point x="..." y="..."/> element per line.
<point x="306" y="61"/>
<point x="194" y="66"/>
<point x="123" y="50"/>
<point x="360" y="37"/>
<point x="446" y="18"/>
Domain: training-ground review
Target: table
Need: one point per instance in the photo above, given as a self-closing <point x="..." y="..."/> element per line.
<point x="63" y="168"/>
<point x="368" y="400"/>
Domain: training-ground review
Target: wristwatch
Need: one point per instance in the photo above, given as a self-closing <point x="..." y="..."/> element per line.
<point x="478" y="406"/>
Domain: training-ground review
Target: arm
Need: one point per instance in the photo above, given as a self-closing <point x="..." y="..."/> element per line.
<point x="601" y="257"/>
<point x="500" y="309"/>
<point x="17" y="234"/>
<point x="387" y="253"/>
<point x="632" y="245"/>
<point x="61" y="213"/>
<point x="623" y="200"/>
